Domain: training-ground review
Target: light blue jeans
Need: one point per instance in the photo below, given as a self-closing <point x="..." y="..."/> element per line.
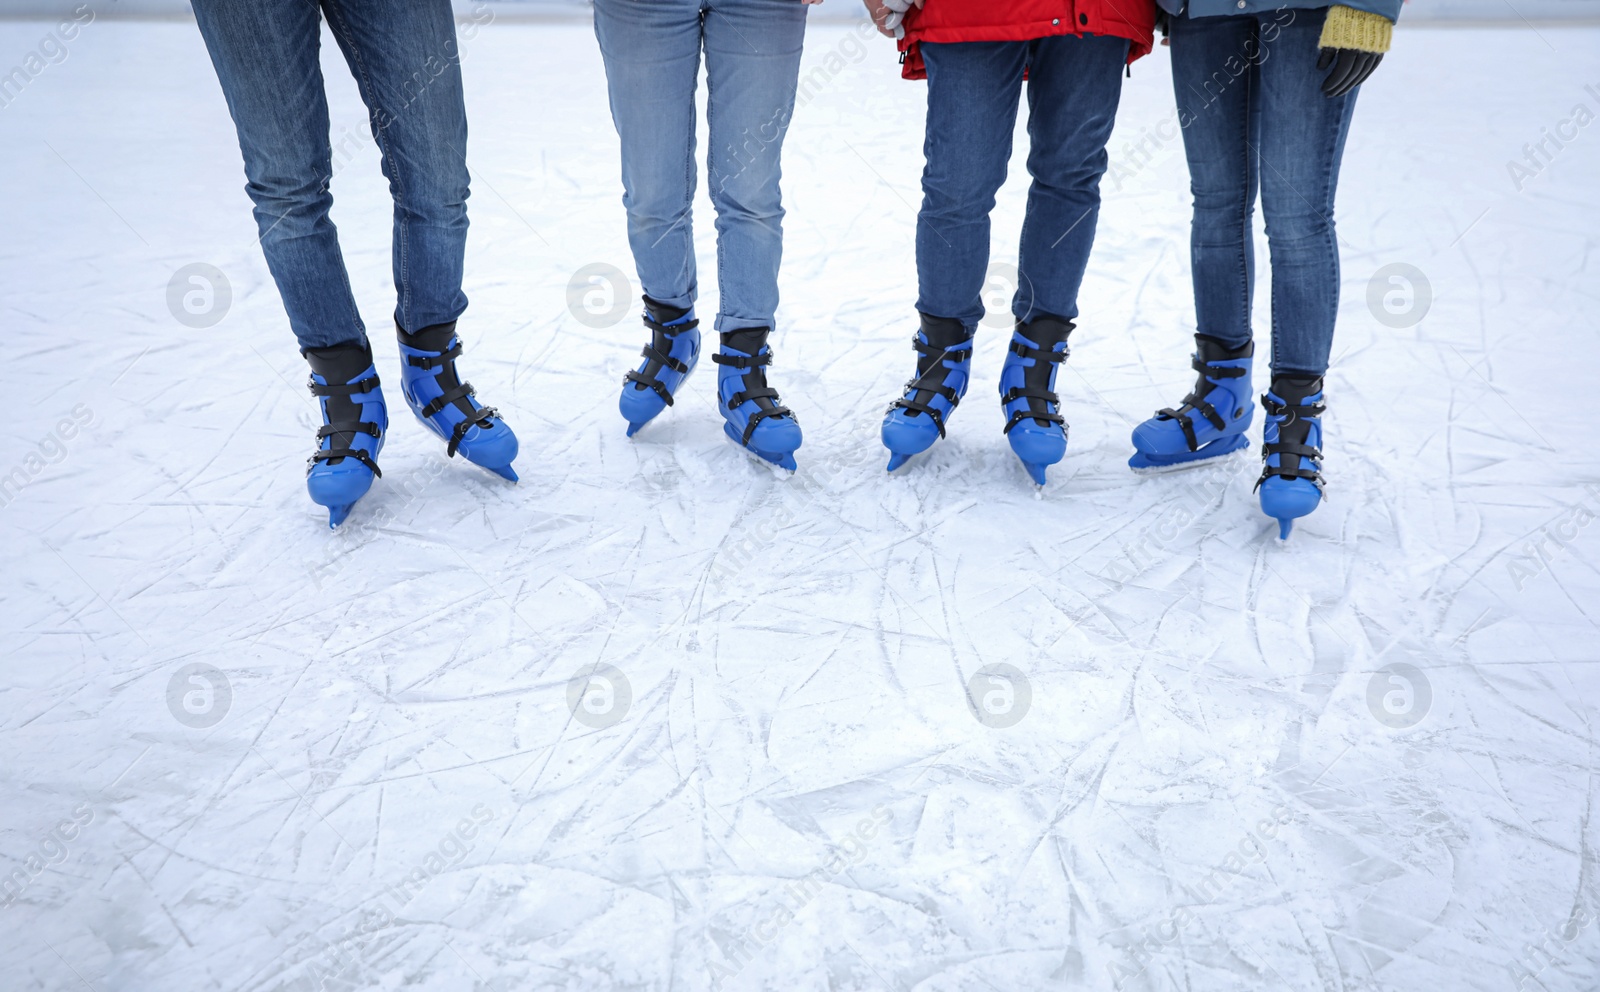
<point x="652" y="56"/>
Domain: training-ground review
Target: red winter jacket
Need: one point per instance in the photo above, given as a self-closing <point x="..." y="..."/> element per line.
<point x="1025" y="20"/>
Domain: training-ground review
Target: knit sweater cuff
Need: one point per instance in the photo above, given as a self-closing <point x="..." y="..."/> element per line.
<point x="1357" y="29"/>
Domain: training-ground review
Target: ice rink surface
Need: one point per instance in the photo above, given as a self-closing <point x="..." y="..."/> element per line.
<point x="1365" y="760"/>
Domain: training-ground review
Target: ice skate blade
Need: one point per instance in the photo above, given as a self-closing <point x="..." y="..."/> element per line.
<point x="503" y="471"/>
<point x="1142" y="464"/>
<point x="1036" y="471"/>
<point x="1285" y="525"/>
<point x="896" y="460"/>
<point x="634" y="428"/>
<point x="337" y="515"/>
<point x="782" y="459"/>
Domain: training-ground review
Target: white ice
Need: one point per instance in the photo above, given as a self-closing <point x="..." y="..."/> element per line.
<point x="398" y="794"/>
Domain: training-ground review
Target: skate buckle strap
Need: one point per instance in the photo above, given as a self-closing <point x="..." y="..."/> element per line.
<point x="1299" y="417"/>
<point x="1215" y="371"/>
<point x="742" y="361"/>
<point x="348" y="427"/>
<point x="1196" y="402"/>
<point x="1268" y="471"/>
<point x="1292" y="412"/>
<point x="448" y="397"/>
<point x="351" y="427"/>
<point x="934" y="351"/>
<point x="1027" y="413"/>
<point x="761" y="391"/>
<point x="366" y="385"/>
<point x="434" y="361"/>
<point x="1038" y="354"/>
<point x="485" y="418"/>
<point x="482" y="416"/>
<point x="670" y="330"/>
<point x="657" y="356"/>
<point x="1186" y="423"/>
<point x="660" y="360"/>
<point x="908" y="403"/>
<point x="650" y="382"/>
<point x="930" y="379"/>
<point x="764" y="393"/>
<point x="334" y="454"/>
<point x="760" y="415"/>
<point x="1028" y="393"/>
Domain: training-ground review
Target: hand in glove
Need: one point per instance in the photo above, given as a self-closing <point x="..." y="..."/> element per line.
<point x="1348" y="68"/>
<point x="1352" y="43"/>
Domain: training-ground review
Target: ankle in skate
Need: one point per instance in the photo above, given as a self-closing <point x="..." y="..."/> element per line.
<point x="354" y="421"/>
<point x="1034" y="425"/>
<point x="753" y="418"/>
<point x="445" y="404"/>
<point x="669" y="358"/>
<point x="1210" y="422"/>
<point x="917" y="419"/>
<point x="1291" y="483"/>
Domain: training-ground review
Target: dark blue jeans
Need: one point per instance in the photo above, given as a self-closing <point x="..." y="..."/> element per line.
<point x="405" y="61"/>
<point x="1074" y="85"/>
<point x="1254" y="117"/>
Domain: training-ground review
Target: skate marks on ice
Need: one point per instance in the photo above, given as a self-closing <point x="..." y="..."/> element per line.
<point x="661" y="717"/>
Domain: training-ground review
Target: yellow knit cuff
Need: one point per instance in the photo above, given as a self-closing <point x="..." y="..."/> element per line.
<point x="1357" y="29"/>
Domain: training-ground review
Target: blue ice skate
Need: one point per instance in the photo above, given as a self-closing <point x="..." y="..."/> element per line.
<point x="445" y="405"/>
<point x="1175" y="439"/>
<point x="944" y="364"/>
<point x="1291" y="479"/>
<point x="354" y="419"/>
<point x="754" y="420"/>
<point x="1038" y="433"/>
<point x="672" y="354"/>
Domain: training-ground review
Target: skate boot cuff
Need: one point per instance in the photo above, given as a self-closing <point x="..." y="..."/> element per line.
<point x="435" y="337"/>
<point x="942" y="333"/>
<point x="657" y="312"/>
<point x="1210" y="349"/>
<point x="340" y="363"/>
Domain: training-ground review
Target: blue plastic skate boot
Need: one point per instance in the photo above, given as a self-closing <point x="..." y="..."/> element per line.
<point x="1291" y="482"/>
<point x="354" y="420"/>
<point x="944" y="365"/>
<point x="1037" y="432"/>
<point x="1210" y="422"/>
<point x="754" y="420"/>
<point x="673" y="352"/>
<point x="445" y="404"/>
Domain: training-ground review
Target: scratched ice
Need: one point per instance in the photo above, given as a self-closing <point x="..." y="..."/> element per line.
<point x="244" y="753"/>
